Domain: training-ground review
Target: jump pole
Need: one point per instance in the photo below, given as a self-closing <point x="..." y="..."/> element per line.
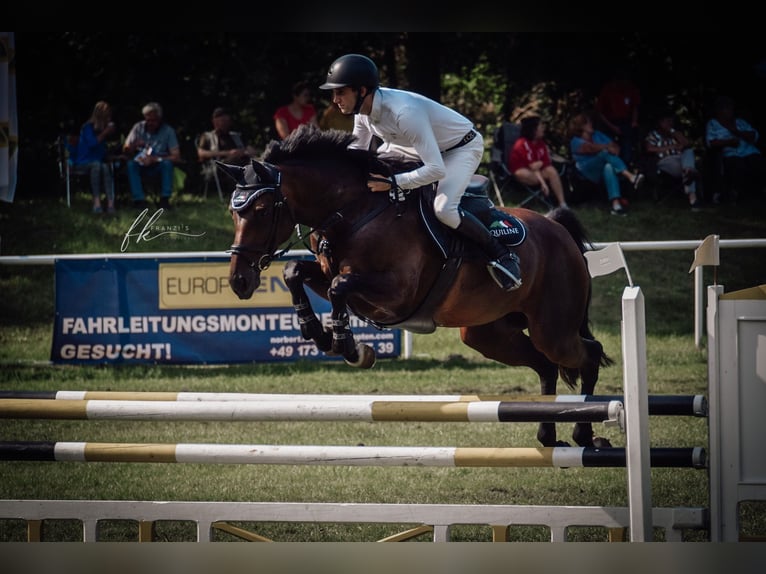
<point x="659" y="405"/>
<point x="311" y="455"/>
<point x="610" y="413"/>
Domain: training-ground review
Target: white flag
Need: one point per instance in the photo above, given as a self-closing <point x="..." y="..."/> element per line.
<point x="606" y="261"/>
<point x="706" y="253"/>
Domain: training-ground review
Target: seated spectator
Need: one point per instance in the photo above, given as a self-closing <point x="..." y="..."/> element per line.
<point x="153" y="148"/>
<point x="89" y="156"/>
<point x="222" y="143"/>
<point x="597" y="159"/>
<point x="530" y="161"/>
<point x="298" y="112"/>
<point x="674" y="154"/>
<point x="333" y="119"/>
<point x="744" y="169"/>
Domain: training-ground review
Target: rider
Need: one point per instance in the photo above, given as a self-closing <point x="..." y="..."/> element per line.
<point x="416" y="127"/>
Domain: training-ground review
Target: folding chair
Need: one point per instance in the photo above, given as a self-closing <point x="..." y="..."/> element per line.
<point x="66" y="146"/>
<point x="209" y="173"/>
<point x="209" y="170"/>
<point x="503" y="181"/>
<point x="63" y="152"/>
<point x="210" y="176"/>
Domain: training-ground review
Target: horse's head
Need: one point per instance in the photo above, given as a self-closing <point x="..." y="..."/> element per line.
<point x="314" y="171"/>
<point x="261" y="223"/>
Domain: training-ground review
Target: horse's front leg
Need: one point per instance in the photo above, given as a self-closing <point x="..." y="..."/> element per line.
<point x="296" y="274"/>
<point x="343" y="343"/>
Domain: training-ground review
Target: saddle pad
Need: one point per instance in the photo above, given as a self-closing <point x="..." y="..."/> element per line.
<point x="510" y="230"/>
<point x="507" y="228"/>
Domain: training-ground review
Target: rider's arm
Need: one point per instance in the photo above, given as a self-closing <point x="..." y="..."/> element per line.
<point x="362" y="133"/>
<point x="416" y="129"/>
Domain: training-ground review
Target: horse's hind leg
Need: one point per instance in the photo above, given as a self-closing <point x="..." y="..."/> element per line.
<point x="296" y="274"/>
<point x="583" y="432"/>
<point x="504" y="341"/>
<point x="579" y="357"/>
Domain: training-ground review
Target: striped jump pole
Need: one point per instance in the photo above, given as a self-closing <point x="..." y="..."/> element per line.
<point x="557" y="457"/>
<point x="610" y="413"/>
<point x="659" y="405"/>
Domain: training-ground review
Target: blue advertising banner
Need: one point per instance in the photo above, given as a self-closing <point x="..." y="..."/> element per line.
<point x="183" y="312"/>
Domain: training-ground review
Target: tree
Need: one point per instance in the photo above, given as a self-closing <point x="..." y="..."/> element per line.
<point x="191" y="73"/>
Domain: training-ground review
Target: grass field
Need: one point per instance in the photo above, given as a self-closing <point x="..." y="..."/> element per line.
<point x="440" y="365"/>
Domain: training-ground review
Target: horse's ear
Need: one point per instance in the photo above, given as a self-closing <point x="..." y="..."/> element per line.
<point x="265" y="175"/>
<point x="235" y="172"/>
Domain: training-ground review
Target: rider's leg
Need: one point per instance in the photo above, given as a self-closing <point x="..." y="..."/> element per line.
<point x="460" y="164"/>
<point x="503" y="265"/>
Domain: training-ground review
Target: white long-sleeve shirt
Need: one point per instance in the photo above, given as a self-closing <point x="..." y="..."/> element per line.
<point x="414" y="126"/>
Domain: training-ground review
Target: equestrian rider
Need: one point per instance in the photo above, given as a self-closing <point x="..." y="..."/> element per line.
<point x="418" y="128"/>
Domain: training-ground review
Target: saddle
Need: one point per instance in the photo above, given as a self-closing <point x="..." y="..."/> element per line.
<point x="510" y="230"/>
<point x="475" y="200"/>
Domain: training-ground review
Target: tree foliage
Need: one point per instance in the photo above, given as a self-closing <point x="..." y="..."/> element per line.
<point x="60" y="75"/>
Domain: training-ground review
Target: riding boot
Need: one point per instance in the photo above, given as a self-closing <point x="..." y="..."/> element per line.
<point x="503" y="266"/>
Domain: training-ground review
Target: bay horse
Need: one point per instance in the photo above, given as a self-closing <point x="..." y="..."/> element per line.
<point x="384" y="257"/>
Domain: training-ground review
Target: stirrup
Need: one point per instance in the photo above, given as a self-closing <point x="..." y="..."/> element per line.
<point x="504" y="278"/>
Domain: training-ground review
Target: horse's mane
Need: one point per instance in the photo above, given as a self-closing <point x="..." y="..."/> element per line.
<point x="310" y="142"/>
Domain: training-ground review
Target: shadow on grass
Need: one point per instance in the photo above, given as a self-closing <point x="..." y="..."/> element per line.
<point x="30" y="370"/>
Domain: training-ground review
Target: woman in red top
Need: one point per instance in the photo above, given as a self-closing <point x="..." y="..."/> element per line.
<point x="530" y="161"/>
<point x="299" y="111"/>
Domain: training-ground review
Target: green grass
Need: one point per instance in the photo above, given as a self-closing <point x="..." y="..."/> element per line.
<point x="441" y="364"/>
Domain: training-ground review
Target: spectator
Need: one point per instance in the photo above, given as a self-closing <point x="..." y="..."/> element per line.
<point x="299" y="111"/>
<point x="674" y="155"/>
<point x="618" y="106"/>
<point x="596" y="158"/>
<point x="743" y="164"/>
<point x="89" y="156"/>
<point x="153" y="147"/>
<point x="222" y="143"/>
<point x="530" y="161"/>
<point x="333" y="119"/>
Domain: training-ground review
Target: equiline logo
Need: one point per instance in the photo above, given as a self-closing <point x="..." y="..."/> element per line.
<point x="503" y="228"/>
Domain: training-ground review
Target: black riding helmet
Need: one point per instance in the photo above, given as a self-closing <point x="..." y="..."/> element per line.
<point x="355" y="71"/>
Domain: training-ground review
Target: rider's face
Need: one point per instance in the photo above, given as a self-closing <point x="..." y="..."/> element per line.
<point x="345" y="99"/>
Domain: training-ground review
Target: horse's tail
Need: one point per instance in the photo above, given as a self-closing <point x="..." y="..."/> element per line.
<point x="572" y="224"/>
<point x="568" y="219"/>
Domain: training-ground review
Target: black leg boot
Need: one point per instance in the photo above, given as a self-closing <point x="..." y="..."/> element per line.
<point x="503" y="266"/>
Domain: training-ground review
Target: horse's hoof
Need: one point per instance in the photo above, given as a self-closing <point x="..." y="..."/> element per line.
<point x="601" y="442"/>
<point x="366" y="357"/>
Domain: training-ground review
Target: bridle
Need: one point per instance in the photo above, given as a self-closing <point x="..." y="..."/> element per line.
<point x="243" y="198"/>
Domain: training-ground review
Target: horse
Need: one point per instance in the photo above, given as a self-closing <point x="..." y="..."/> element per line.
<point x="384" y="257"/>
